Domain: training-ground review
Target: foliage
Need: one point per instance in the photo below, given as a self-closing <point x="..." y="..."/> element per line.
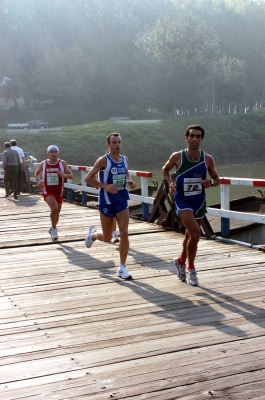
<point x="178" y="56"/>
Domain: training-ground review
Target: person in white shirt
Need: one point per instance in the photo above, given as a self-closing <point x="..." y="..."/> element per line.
<point x="21" y="166"/>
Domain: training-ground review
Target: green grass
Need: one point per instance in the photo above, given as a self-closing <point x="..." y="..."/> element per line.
<point x="229" y="139"/>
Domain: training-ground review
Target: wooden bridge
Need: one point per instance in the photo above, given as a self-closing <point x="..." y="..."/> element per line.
<point x="70" y="329"/>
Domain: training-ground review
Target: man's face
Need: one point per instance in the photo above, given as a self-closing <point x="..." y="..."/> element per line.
<point x="53" y="154"/>
<point x="115" y="144"/>
<point x="194" y="139"/>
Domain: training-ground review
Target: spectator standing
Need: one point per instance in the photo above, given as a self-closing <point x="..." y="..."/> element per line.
<point x="11" y="162"/>
<point x="21" y="166"/>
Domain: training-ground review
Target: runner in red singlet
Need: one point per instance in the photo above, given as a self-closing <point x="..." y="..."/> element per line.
<point x="53" y="171"/>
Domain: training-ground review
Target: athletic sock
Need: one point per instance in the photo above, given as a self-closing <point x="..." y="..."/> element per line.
<point x="181" y="261"/>
<point x="191" y="267"/>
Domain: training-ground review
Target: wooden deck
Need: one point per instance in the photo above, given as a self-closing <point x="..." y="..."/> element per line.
<point x="70" y="329"/>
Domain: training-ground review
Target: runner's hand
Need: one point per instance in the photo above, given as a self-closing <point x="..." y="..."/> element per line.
<point x="131" y="184"/>
<point x="111" y="188"/>
<point x="172" y="187"/>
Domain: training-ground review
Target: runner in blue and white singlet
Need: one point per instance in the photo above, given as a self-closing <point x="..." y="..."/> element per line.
<point x="110" y="174"/>
<point x="115" y="172"/>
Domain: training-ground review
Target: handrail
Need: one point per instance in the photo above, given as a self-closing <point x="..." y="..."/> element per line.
<point x="225" y="213"/>
<point x="143" y="198"/>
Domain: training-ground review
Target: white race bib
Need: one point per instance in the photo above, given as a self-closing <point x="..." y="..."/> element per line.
<point x="52" y="179"/>
<point x="192" y="186"/>
<point x="119" y="181"/>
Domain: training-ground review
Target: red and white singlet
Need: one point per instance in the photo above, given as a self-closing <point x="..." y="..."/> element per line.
<point x="53" y="183"/>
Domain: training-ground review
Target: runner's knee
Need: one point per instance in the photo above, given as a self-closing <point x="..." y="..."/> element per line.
<point x="124" y="233"/>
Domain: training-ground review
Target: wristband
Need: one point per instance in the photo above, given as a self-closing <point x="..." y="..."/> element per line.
<point x="211" y="182"/>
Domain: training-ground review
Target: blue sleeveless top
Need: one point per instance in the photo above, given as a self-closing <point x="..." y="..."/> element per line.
<point x="115" y="172"/>
<point x="189" y="176"/>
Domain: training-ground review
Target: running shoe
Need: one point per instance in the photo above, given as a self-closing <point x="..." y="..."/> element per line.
<point x="192" y="277"/>
<point x="181" y="270"/>
<point x="115" y="237"/>
<point x="88" y="240"/>
<point x="54" y="234"/>
<point x="123" y="273"/>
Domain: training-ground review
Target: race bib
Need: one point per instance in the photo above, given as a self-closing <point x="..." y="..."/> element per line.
<point x="119" y="181"/>
<point x="52" y="179"/>
<point x="192" y="186"/>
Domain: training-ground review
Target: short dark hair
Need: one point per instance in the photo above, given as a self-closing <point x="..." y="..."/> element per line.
<point x="7" y="144"/>
<point x="197" y="127"/>
<point x="13" y="142"/>
<point x="112" y="134"/>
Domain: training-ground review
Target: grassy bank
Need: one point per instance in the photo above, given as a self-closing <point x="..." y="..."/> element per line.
<point x="229" y="139"/>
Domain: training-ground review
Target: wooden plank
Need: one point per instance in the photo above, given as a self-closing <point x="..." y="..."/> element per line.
<point x="70" y="329"/>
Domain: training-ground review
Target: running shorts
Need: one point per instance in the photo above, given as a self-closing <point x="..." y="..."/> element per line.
<point x="198" y="207"/>
<point x="110" y="210"/>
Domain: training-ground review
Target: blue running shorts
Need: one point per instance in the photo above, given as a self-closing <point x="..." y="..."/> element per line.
<point x="197" y="206"/>
<point x="110" y="210"/>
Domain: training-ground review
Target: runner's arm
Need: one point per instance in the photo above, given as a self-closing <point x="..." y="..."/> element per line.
<point x="67" y="174"/>
<point x="212" y="172"/>
<point x="91" y="176"/>
<point x="172" y="162"/>
<point x="129" y="180"/>
<point x="37" y="175"/>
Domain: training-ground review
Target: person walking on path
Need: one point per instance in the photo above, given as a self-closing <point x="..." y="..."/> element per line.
<point x="11" y="162"/>
<point x="21" y="166"/>
<point x="110" y="174"/>
<point x="54" y="171"/>
<point x="192" y="165"/>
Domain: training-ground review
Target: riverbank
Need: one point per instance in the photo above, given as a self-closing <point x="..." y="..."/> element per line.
<point x="229" y="139"/>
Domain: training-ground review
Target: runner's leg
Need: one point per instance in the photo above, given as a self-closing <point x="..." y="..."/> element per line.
<point x="55" y="210"/>
<point x="192" y="234"/>
<point x="123" y="224"/>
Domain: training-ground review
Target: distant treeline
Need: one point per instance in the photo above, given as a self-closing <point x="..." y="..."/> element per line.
<point x="165" y="56"/>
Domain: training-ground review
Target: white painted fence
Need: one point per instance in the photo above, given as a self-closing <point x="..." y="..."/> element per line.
<point x="225" y="213"/>
<point x="143" y="198"/>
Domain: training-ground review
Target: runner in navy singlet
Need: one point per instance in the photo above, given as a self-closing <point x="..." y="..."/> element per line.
<point x="110" y="174"/>
<point x="192" y="166"/>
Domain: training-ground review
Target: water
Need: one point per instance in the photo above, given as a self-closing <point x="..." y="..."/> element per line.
<point x="251" y="170"/>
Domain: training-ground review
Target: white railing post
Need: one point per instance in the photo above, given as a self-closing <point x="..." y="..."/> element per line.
<point x="225" y="205"/>
<point x="144" y="192"/>
<point x="83" y="183"/>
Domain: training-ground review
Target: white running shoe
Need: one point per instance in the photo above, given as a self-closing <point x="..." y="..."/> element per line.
<point x="115" y="237"/>
<point x="181" y="270"/>
<point x="88" y="240"/>
<point x="123" y="273"/>
<point x="192" y="277"/>
<point x="54" y="234"/>
<point x="50" y="230"/>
